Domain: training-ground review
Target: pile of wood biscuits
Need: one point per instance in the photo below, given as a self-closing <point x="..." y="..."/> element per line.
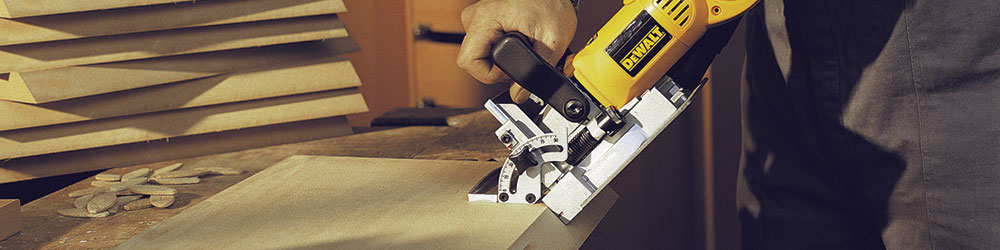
<point x="135" y="190"/>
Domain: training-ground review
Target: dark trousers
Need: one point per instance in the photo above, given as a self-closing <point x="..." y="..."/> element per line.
<point x="871" y="125"/>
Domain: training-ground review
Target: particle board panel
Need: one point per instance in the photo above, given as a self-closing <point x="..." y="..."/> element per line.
<point x="322" y="202"/>
<point x="71" y="82"/>
<point x="30" y="168"/>
<point x="315" y="75"/>
<point x="50" y="55"/>
<point x="158" y="17"/>
<point x="153" y="126"/>
<point x="25" y="8"/>
<point x="10" y="218"/>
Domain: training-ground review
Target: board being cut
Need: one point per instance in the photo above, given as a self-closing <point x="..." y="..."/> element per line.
<point x="24" y="8"/>
<point x="313" y="75"/>
<point x="50" y="55"/>
<point x="153" y="126"/>
<point x="65" y="83"/>
<point x="158" y="17"/>
<point x="319" y="202"/>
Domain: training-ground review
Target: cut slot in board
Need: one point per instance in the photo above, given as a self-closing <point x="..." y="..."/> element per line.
<point x="77" y="81"/>
<point x="289" y="78"/>
<point x="158" y="17"/>
<point x="50" y="55"/>
<point x="153" y="126"/>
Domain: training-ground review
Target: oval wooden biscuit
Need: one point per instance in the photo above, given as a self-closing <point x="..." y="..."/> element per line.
<point x="182" y="173"/>
<point x="108" y="177"/>
<point x="138" y="205"/>
<point x="125" y="199"/>
<point x="103" y="183"/>
<point x="142" y="172"/>
<point x="101" y="202"/>
<point x="177" y="181"/>
<point x="152" y="190"/>
<point x="128" y="183"/>
<point x="83" y="192"/>
<point x="80" y="213"/>
<point x="167" y="168"/>
<point x="82" y="201"/>
<point x="161" y="201"/>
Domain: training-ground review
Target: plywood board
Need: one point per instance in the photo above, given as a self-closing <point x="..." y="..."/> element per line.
<point x="129" y="129"/>
<point x="320" y="202"/>
<point x="158" y="17"/>
<point x="24" y="8"/>
<point x="35" y="167"/>
<point x="10" y="218"/>
<point x="29" y="168"/>
<point x="78" y="81"/>
<point x="318" y="74"/>
<point x="50" y="55"/>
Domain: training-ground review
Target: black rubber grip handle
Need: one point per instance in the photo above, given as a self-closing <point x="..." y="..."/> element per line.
<point x="515" y="56"/>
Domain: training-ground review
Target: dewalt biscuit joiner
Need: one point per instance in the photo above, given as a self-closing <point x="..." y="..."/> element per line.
<point x="631" y="80"/>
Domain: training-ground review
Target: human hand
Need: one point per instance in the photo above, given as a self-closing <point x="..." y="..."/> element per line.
<point x="548" y="24"/>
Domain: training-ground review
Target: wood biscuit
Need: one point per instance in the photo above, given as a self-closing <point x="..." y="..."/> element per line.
<point x="161" y="201"/>
<point x="142" y="172"/>
<point x="167" y="168"/>
<point x="125" y="199"/>
<point x="138" y="205"/>
<point x="83" y="192"/>
<point x="82" y="201"/>
<point x="128" y="183"/>
<point x="182" y="173"/>
<point x="103" y="183"/>
<point x="152" y="190"/>
<point x="108" y="177"/>
<point x="176" y="181"/>
<point x="80" y="213"/>
<point x="101" y="202"/>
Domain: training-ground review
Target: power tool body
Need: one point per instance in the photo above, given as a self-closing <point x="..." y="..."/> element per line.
<point x="578" y="131"/>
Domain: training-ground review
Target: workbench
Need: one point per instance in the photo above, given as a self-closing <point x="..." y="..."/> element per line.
<point x="469" y="137"/>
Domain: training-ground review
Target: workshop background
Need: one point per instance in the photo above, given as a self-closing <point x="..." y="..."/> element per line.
<point x="678" y="194"/>
<point x="684" y="199"/>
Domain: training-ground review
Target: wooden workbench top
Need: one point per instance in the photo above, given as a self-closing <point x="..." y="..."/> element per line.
<point x="470" y="138"/>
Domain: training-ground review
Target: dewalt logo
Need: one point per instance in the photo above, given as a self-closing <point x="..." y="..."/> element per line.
<point x="642" y="49"/>
<point x="638" y="43"/>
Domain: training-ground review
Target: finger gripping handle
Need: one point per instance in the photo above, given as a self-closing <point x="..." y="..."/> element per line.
<point x="514" y="55"/>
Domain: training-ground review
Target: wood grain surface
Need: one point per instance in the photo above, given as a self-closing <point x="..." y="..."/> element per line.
<point x="158" y="17"/>
<point x="50" y="231"/>
<point x="321" y="202"/>
<point x="23" y="8"/>
<point x="313" y="75"/>
<point x="50" y="55"/>
<point x="117" y="156"/>
<point x="122" y="130"/>
<point x="51" y="85"/>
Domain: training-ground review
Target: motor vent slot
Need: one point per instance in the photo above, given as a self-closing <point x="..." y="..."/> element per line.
<point x="679" y="11"/>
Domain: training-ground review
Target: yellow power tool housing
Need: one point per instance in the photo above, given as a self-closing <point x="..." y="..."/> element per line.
<point x="643" y="41"/>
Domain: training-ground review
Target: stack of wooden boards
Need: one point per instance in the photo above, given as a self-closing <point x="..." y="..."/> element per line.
<point x="110" y="77"/>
